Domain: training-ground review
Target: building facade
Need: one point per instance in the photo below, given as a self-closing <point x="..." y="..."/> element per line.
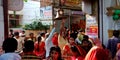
<point x="106" y="22"/>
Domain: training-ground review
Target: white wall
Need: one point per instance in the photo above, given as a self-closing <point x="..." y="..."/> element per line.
<point x="31" y="10"/>
<point x="106" y="23"/>
<point x="1" y="24"/>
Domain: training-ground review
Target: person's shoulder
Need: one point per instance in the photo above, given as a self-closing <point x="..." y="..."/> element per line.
<point x="11" y="56"/>
<point x="6" y="54"/>
<point x="47" y="40"/>
<point x="111" y="39"/>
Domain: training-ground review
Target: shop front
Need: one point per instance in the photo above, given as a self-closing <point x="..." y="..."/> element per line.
<point x="78" y="21"/>
<point x="75" y="18"/>
<point x="75" y="12"/>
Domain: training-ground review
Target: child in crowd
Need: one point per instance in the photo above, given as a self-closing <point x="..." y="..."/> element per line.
<point x="55" y="53"/>
<point x="76" y="54"/>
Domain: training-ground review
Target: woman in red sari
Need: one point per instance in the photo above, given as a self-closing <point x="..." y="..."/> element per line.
<point x="39" y="48"/>
<point x="66" y="49"/>
<point x="76" y="53"/>
<point x="67" y="52"/>
<point x="55" y="39"/>
<point x="97" y="52"/>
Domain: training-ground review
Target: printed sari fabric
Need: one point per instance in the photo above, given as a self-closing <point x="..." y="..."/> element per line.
<point x="55" y="41"/>
<point x="67" y="52"/>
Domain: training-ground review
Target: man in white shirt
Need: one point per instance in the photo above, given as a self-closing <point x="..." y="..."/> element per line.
<point x="48" y="41"/>
<point x="20" y="42"/>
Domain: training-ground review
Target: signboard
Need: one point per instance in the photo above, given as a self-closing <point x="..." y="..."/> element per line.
<point x="71" y="3"/>
<point x="78" y="13"/>
<point x="93" y="30"/>
<point x="91" y="26"/>
<point x="90" y="20"/>
<point x="46" y="12"/>
<point x="15" y="5"/>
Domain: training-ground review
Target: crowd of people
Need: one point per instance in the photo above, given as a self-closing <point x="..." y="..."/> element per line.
<point x="65" y="45"/>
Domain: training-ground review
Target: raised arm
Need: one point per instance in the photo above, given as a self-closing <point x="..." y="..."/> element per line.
<point x="48" y="42"/>
<point x="51" y="33"/>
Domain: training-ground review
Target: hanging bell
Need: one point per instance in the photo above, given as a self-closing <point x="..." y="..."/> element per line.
<point x="60" y="15"/>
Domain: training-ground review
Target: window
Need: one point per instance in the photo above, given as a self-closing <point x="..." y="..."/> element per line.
<point x="14" y="20"/>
